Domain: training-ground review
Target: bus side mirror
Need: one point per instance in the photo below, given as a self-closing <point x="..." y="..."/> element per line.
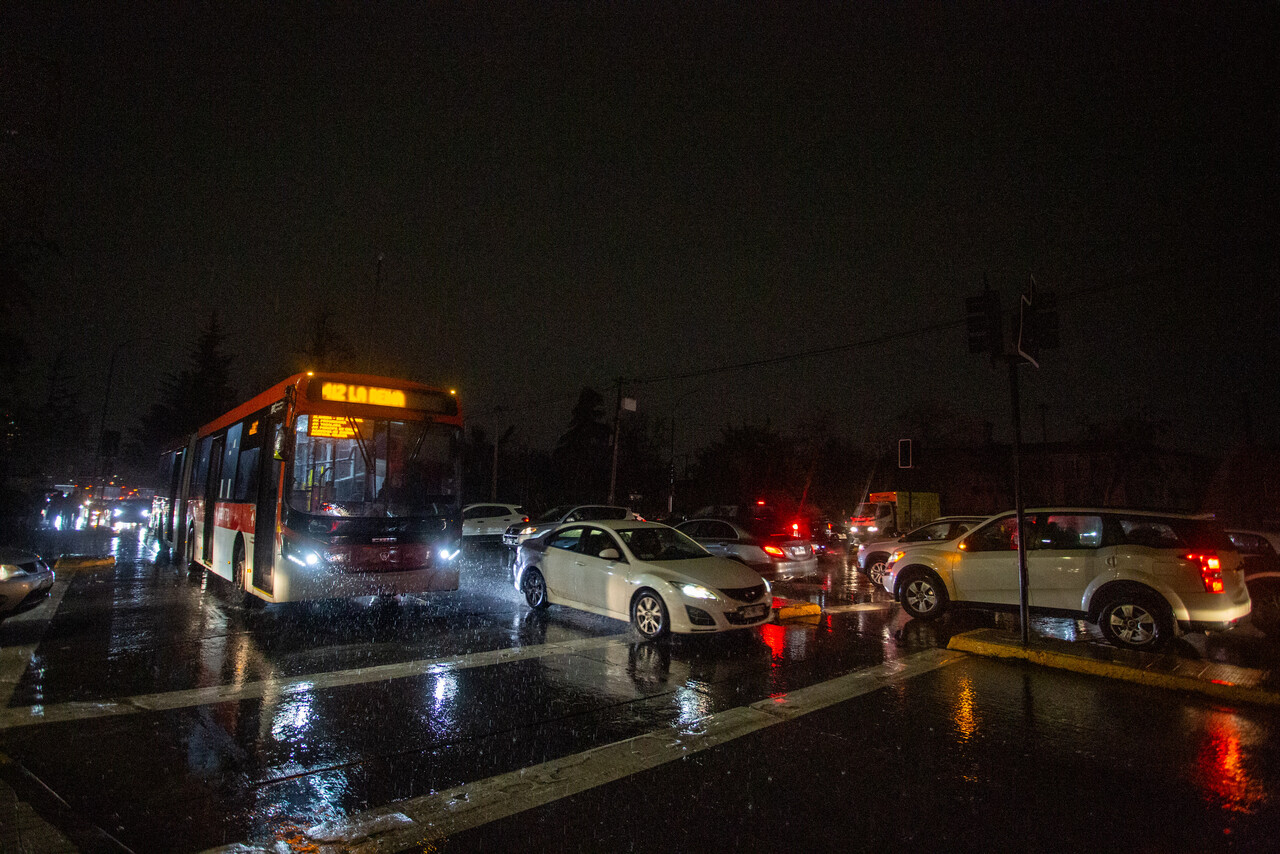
<point x="283" y="444"/>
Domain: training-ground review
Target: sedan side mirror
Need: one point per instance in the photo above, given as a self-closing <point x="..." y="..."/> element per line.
<point x="609" y="554"/>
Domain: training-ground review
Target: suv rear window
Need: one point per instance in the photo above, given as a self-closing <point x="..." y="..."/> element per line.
<point x="1157" y="533"/>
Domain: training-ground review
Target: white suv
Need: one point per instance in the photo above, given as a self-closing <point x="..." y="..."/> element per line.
<point x="1139" y="575"/>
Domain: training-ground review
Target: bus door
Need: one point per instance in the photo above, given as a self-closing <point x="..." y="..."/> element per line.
<point x="172" y="520"/>
<point x="211" y="484"/>
<point x="264" y="526"/>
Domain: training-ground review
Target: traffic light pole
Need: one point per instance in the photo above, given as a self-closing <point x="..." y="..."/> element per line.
<point x="1023" y="604"/>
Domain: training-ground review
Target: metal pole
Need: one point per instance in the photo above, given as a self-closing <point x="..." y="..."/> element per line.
<point x="617" y="422"/>
<point x="373" y="314"/>
<point x="493" y="491"/>
<point x="1023" y="609"/>
<point x="102" y="422"/>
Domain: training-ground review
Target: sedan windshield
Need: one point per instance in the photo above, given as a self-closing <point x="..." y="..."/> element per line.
<point x="660" y="544"/>
<point x="374" y="467"/>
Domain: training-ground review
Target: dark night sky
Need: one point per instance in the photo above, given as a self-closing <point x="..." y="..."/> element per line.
<point x="565" y="193"/>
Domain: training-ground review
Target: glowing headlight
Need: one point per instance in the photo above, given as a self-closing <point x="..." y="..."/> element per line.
<point x="117" y="512"/>
<point x="526" y="531"/>
<point x="312" y="558"/>
<point x="697" y="591"/>
<point x="445" y="554"/>
<point x="896" y="556"/>
<point x="872" y="529"/>
<point x="8" y="571"/>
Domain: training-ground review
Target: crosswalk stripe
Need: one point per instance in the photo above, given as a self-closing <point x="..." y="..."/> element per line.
<point x="420" y="821"/>
<point x="74" y="711"/>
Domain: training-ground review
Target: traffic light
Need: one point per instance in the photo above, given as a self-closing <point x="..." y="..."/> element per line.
<point x="984" y="323"/>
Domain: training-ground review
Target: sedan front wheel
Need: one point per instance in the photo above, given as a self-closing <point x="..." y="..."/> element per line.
<point x="534" y="587"/>
<point x="649" y="615"/>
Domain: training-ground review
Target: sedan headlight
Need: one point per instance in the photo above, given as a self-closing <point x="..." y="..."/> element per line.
<point x="524" y="532"/>
<point x="697" y="591"/>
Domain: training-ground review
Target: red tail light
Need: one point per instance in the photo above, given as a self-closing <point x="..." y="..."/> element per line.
<point x="775" y="551"/>
<point x="526" y="518"/>
<point x="1210" y="570"/>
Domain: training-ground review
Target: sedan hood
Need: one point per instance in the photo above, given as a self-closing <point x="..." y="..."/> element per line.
<point x="8" y="554"/>
<point x="718" y="572"/>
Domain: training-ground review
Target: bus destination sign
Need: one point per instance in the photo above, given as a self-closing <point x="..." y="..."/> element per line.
<point x="333" y="426"/>
<point x="347" y="393"/>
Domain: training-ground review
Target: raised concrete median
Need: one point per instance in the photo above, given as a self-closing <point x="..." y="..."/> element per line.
<point x="1221" y="681"/>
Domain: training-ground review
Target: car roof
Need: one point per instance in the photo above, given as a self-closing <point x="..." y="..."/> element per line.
<point x="1125" y="511"/>
<point x="616" y="524"/>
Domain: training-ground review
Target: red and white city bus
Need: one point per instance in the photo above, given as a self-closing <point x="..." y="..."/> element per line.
<point x="322" y="486"/>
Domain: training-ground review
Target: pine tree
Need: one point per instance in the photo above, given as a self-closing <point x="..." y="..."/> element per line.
<point x="194" y="396"/>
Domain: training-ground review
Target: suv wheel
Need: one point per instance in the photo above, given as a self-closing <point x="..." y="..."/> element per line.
<point x="922" y="595"/>
<point x="1136" y="620"/>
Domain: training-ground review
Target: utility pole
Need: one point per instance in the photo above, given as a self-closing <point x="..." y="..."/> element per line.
<point x="102" y="422"/>
<point x="1014" y="397"/>
<point x="617" y="424"/>
<point x="372" y="325"/>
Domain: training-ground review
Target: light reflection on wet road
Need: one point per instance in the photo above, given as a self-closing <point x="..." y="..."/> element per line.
<point x="321" y="711"/>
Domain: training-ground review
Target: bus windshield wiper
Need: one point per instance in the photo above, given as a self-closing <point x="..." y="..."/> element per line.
<point x="364" y="453"/>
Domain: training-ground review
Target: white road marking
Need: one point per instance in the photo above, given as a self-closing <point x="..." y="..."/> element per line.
<point x="14" y="659"/>
<point x="74" y="711"/>
<point x="860" y="606"/>
<point x="472" y="805"/>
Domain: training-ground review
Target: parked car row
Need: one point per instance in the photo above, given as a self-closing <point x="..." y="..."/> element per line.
<point x="1140" y="576"/>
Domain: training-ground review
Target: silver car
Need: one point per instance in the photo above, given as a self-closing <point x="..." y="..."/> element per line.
<point x="521" y="531"/>
<point x="873" y="556"/>
<point x="25" y="581"/>
<point x="776" y="557"/>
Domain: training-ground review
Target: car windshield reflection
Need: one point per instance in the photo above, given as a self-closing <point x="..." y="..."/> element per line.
<point x="660" y="544"/>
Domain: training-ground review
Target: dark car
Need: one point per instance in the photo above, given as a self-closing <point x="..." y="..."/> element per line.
<point x="1260" y="551"/>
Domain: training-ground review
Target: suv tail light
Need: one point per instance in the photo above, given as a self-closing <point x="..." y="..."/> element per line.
<point x="1210" y="570"/>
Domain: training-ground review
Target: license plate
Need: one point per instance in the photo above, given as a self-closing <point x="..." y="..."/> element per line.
<point x="754" y="611"/>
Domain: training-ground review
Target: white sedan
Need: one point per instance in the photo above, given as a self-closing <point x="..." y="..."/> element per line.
<point x="649" y="574"/>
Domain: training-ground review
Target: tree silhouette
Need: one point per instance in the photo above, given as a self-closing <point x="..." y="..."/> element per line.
<point x="191" y="397"/>
<point x="581" y="455"/>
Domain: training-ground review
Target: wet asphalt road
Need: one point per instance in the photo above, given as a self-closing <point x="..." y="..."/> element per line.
<point x="156" y="714"/>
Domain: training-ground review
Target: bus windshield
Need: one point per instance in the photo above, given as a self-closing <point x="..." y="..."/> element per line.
<point x="346" y="466"/>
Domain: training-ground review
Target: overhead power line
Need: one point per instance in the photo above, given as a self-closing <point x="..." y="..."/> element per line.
<point x="1127" y="280"/>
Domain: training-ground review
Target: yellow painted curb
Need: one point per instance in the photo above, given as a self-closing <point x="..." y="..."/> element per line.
<point x="792" y="610"/>
<point x="75" y="562"/>
<point x="1110" y="670"/>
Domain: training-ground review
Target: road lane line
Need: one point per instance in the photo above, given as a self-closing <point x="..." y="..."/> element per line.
<point x="423" y="820"/>
<point x="14" y="659"/>
<point x="75" y="711"/>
